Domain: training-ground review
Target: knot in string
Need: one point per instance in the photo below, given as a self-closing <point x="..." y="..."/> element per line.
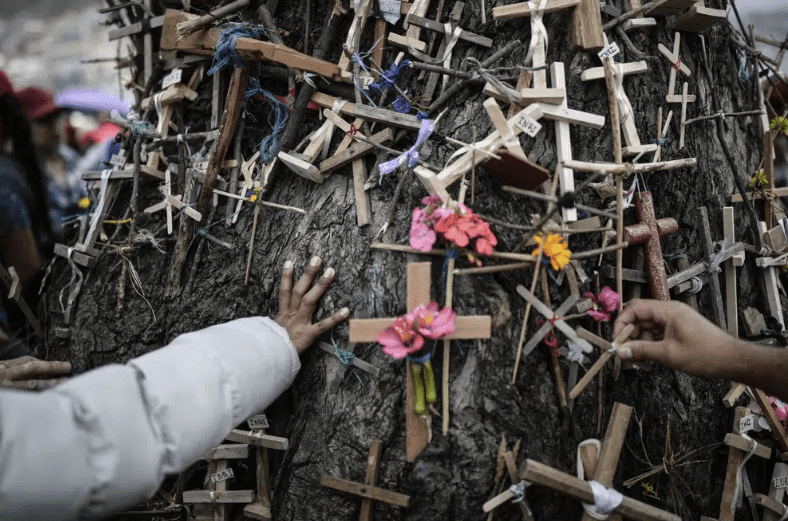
<point x="518" y="490"/>
<point x="388" y="78"/>
<point x="401" y="105"/>
<point x="716" y="259"/>
<point x="575" y="353"/>
<point x="479" y="70"/>
<point x="225" y="48"/>
<point x="538" y="30"/>
<point x="697" y="286"/>
<point x="353" y="130"/>
<point x="550" y="339"/>
<point x="412" y="154"/>
<point x="677" y="65"/>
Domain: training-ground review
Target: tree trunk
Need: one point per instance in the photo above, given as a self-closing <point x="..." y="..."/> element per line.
<point x="330" y="432"/>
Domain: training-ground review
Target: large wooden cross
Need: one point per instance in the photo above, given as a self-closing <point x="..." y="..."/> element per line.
<point x="467" y="328"/>
<point x="211" y="504"/>
<point x="368" y="490"/>
<point x="649" y="231"/>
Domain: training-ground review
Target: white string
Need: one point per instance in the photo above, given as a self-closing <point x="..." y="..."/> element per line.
<point x="606" y="501"/>
<point x="538" y="29"/>
<point x="519" y="492"/>
<point x="614" y="349"/>
<point x="575" y="354"/>
<point x="452" y="37"/>
<point x="737" y="490"/>
<point x="624" y="108"/>
<point x="785" y="513"/>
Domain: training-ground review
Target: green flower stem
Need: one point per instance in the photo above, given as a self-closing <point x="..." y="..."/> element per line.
<point x="419" y="407"/>
<point x="429" y="382"/>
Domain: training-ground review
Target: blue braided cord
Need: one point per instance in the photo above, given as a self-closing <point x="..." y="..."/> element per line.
<point x="677" y="254"/>
<point x="346" y="357"/>
<point x="225" y="48"/>
<point x="269" y="145"/>
<point x="422" y="115"/>
<point x="388" y="78"/>
<point x="401" y="105"/>
<point x="449" y="254"/>
<point x="583" y="215"/>
<point x="421" y="359"/>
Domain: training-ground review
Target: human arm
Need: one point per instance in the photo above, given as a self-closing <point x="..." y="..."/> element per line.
<point x="678" y="337"/>
<point x="104" y="440"/>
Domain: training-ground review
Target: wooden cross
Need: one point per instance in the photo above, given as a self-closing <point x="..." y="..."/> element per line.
<point x="411" y="38"/>
<point x="608" y="350"/>
<point x="676" y="66"/>
<point x="638" y="22"/>
<point x="601" y="466"/>
<point x="699" y="18"/>
<point x="356" y="362"/>
<point x="505" y="12"/>
<point x="739" y="447"/>
<point x="217" y="494"/>
<point x="772" y="282"/>
<point x="368" y="490"/>
<point x="513" y="493"/>
<point x="513" y="168"/>
<point x="11" y="281"/>
<point x="773" y="505"/>
<point x="707" y="244"/>
<point x="360" y="16"/>
<point x="467" y="328"/>
<point x="204" y="42"/>
<point x="550" y="315"/>
<point x="448" y="29"/>
<point x="540" y="474"/>
<point x="627" y="118"/>
<point x="649" y="232"/>
<point x="374" y="114"/>
<point x="261" y="507"/>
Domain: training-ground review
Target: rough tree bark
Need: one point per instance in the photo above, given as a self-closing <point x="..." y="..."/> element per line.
<point x="330" y="433"/>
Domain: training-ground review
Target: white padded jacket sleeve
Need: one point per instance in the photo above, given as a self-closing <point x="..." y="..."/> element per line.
<point x="103" y="441"/>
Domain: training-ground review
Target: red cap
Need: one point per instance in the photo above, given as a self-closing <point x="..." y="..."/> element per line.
<point x="37" y="103"/>
<point x="5" y="84"/>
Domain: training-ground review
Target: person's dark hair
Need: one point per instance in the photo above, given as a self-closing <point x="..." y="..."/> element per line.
<point x="16" y="129"/>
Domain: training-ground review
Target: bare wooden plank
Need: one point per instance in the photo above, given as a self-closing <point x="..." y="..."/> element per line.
<point x="426" y="23"/>
<point x="699" y="19"/>
<point x="382" y="116"/>
<point x="87" y="261"/>
<point x="233" y="451"/>
<point x="228" y="496"/>
<point x="586" y="32"/>
<point x="366" y="491"/>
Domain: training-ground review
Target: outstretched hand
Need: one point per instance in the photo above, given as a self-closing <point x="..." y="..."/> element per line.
<point x="676" y="336"/>
<point x="25" y="373"/>
<point x="297" y="304"/>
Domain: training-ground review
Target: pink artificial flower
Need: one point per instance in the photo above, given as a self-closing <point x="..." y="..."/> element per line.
<point x="448" y="226"/>
<point x="432" y="200"/>
<point x="607" y="302"/>
<point x="400" y="339"/>
<point x="484" y="245"/>
<point x="432" y="323"/>
<point x="422" y="237"/>
<point x="780" y="408"/>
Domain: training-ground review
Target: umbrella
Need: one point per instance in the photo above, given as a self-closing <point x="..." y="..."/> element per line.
<point x="90" y="100"/>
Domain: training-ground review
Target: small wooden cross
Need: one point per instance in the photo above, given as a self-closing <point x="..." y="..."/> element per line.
<point x="676" y="66"/>
<point x="549" y="315"/>
<point x="607" y="351"/>
<point x="638" y="22"/>
<point x="627" y="120"/>
<point x="385" y="117"/>
<point x="540" y="474"/>
<point x="467" y="328"/>
<point x="368" y="490"/>
<point x="453" y="23"/>
<point x="11" y="282"/>
<point x="411" y="38"/>
<point x="360" y="16"/>
<point x="699" y="18"/>
<point x="513" y="168"/>
<point x="773" y="505"/>
<point x="261" y="507"/>
<point x="217" y="494"/>
<point x="739" y="447"/>
<point x="649" y="232"/>
<point x="513" y="493"/>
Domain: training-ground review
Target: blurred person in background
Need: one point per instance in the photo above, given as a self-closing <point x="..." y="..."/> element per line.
<point x="25" y="232"/>
<point x="47" y="121"/>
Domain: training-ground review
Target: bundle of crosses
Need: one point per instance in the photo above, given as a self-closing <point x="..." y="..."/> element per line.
<point x="492" y="181"/>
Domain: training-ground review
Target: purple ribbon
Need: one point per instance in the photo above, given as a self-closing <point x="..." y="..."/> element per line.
<point x="412" y="154"/>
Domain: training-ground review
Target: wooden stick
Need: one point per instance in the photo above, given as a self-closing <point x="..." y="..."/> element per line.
<point x="366" y="491"/>
<point x="610" y="168"/>
<point x="600" y="363"/>
<point x="189" y="26"/>
<point x="559" y="378"/>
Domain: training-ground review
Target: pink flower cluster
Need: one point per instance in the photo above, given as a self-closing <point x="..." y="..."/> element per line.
<point x="407" y="334"/>
<point x="604" y="304"/>
<point x="460" y="227"/>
